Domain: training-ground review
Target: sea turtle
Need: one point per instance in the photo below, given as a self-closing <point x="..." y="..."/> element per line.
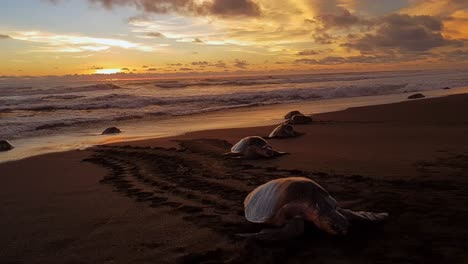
<point x="286" y="203"/>
<point x="291" y="114"/>
<point x="284" y="131"/>
<point x="416" y="96"/>
<point x="111" y="130"/>
<point x="300" y="119"/>
<point x="253" y="147"/>
<point x="5" y="145"/>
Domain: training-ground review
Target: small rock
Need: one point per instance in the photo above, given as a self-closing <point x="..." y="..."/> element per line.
<point x="416" y="96"/>
<point x="5" y="145"/>
<point x="111" y="130"/>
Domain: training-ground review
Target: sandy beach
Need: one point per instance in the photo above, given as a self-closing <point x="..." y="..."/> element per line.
<point x="177" y="200"/>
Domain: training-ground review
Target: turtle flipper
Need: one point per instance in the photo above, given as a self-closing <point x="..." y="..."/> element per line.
<point x="279" y="153"/>
<point x="290" y="230"/>
<point x="363" y="217"/>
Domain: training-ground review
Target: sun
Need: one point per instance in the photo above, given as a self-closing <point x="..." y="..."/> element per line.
<point x="107" y="71"/>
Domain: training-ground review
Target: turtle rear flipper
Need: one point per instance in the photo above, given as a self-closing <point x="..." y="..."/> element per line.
<point x="363" y="217"/>
<point x="280" y="153"/>
<point x="292" y="229"/>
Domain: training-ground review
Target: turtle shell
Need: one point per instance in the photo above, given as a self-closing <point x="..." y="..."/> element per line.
<point x="283" y="130"/>
<point x="265" y="202"/>
<point x="5" y="145"/>
<point x="291" y="114"/>
<point x="242" y="145"/>
<point x="111" y="130"/>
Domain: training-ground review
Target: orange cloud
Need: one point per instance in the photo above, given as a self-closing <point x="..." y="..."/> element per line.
<point x="456" y="26"/>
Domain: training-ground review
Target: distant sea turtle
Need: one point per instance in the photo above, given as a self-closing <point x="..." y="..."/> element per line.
<point x="284" y="131"/>
<point x="253" y="147"/>
<point x="416" y="96"/>
<point x="5" y="145"/>
<point x="291" y="114"/>
<point x="111" y="130"/>
<point x="287" y="203"/>
<point x="300" y="119"/>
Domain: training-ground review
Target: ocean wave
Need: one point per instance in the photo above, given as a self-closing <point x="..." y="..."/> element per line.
<point x="24" y="91"/>
<point x="126" y="101"/>
<point x="277" y="80"/>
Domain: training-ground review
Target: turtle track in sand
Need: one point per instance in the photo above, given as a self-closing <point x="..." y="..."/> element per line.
<point x="208" y="193"/>
<point x="207" y="190"/>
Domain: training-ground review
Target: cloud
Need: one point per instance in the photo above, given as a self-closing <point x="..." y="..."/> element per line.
<point x="4" y="36"/>
<point x="240" y="64"/>
<point x="221" y="8"/>
<point x="235" y="8"/>
<point x="456" y="26"/>
<point x="185" y="69"/>
<point x="125" y="69"/>
<point x="307" y="53"/>
<point x="455" y="55"/>
<point x="200" y="63"/>
<point x="342" y="20"/>
<point x="76" y="43"/>
<point x="323" y="38"/>
<point x="219" y="64"/>
<point x="438" y="8"/>
<point x="151" y="69"/>
<point x="403" y="33"/>
<point x="197" y="40"/>
<point x="155" y="35"/>
<point x="175" y="64"/>
<point x="336" y="60"/>
<point x="96" y="67"/>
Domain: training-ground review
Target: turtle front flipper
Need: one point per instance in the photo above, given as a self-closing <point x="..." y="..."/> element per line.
<point x="292" y="229"/>
<point x="363" y="217"/>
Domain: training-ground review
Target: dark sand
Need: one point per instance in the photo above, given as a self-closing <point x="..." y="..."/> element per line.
<point x="166" y="201"/>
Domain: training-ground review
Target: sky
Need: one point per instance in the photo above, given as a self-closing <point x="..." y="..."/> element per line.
<point x="164" y="37"/>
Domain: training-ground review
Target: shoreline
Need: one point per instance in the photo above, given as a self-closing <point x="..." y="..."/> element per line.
<point x="170" y="127"/>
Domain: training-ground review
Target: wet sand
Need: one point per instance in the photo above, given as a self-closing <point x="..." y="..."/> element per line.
<point x="177" y="200"/>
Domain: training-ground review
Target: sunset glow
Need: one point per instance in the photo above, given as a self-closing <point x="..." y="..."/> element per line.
<point x="107" y="71"/>
<point x="163" y="37"/>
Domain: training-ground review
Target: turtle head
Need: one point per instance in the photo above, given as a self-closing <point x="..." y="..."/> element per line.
<point x="260" y="151"/>
<point x="333" y="223"/>
<point x="267" y="151"/>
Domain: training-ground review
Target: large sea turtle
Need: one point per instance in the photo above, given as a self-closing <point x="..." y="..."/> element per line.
<point x="286" y="203"/>
<point x="284" y="131"/>
<point x="5" y="145"/>
<point x="254" y="147"/>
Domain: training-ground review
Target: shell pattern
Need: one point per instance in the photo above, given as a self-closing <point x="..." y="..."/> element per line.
<point x="291" y="114"/>
<point x="244" y="143"/>
<point x="265" y="202"/>
<point x="283" y="130"/>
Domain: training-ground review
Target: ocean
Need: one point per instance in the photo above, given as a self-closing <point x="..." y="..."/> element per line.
<point x="54" y="111"/>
